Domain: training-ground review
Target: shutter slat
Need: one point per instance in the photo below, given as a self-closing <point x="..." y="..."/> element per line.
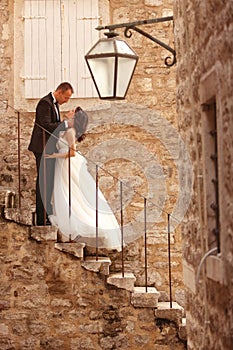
<point x="27" y="50"/>
<point x="86" y="26"/>
<point x="53" y="33"/>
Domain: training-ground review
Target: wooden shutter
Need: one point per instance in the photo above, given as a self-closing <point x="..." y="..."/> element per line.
<point x="58" y="33"/>
<point x="80" y="18"/>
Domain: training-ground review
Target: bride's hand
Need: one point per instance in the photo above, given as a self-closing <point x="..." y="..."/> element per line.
<point x="49" y="155"/>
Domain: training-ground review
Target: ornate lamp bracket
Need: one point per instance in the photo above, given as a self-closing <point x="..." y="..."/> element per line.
<point x="169" y="61"/>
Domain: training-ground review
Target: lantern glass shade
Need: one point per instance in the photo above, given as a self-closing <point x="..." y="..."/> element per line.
<point x="111" y="63"/>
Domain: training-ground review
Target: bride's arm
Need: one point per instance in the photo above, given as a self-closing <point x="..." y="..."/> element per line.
<point x="70" y="137"/>
<point x="57" y="155"/>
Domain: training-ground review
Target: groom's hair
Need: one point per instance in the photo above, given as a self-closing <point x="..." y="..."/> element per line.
<point x="65" y="86"/>
<point x="80" y="123"/>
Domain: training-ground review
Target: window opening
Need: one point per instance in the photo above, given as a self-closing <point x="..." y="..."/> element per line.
<point x="212" y="177"/>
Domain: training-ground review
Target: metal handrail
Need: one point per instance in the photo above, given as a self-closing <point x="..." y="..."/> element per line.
<point x="19" y="159"/>
<point x="145" y="246"/>
<point x="97" y="209"/>
<point x="169" y="257"/>
<point x="121" y="218"/>
<point x="122" y="232"/>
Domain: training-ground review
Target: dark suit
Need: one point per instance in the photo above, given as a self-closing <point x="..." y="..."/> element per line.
<point x="47" y="118"/>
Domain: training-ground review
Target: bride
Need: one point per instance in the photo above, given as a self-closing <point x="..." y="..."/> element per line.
<point x="78" y="223"/>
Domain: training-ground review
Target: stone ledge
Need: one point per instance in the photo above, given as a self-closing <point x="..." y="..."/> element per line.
<point x="126" y="282"/>
<point x="20" y="216"/>
<point x="173" y="314"/>
<point x="142" y="298"/>
<point x="75" y="249"/>
<point x="182" y="330"/>
<point x="101" y="265"/>
<point x="214" y="268"/>
<point x="189" y="276"/>
<point x="43" y="233"/>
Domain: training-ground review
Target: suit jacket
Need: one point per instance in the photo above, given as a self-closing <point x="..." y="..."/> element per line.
<point x="46" y="116"/>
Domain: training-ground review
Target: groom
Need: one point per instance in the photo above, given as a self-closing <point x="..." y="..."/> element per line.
<point x="48" y="122"/>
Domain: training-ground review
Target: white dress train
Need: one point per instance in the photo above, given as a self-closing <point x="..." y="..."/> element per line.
<point x="80" y="225"/>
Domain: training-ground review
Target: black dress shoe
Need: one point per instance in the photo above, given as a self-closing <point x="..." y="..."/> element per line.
<point x="48" y="223"/>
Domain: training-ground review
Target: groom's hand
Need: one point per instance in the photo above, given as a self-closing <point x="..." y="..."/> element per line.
<point x="70" y="123"/>
<point x="69" y="117"/>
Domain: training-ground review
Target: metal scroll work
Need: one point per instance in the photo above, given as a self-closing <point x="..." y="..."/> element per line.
<point x="129" y="27"/>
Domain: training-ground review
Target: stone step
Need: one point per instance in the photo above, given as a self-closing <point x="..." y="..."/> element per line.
<point x="175" y="313"/>
<point x="101" y="265"/>
<point x="126" y="282"/>
<point x="75" y="249"/>
<point x="20" y="216"/>
<point x="62" y="238"/>
<point x="142" y="297"/>
<point x="43" y="233"/>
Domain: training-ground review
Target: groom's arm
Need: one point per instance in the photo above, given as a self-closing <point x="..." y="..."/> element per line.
<point x="46" y="118"/>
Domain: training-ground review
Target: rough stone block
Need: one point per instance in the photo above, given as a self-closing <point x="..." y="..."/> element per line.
<point x="215" y="269"/>
<point x="62" y="238"/>
<point x="166" y="312"/>
<point x="183" y="330"/>
<point x="101" y="265"/>
<point x="126" y="282"/>
<point x="4" y="329"/>
<point x="75" y="249"/>
<point x="43" y="233"/>
<point x="142" y="298"/>
<point x="7" y="198"/>
<point x="21" y="216"/>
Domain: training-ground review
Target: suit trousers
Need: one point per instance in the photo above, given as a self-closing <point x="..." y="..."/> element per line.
<point x="44" y="188"/>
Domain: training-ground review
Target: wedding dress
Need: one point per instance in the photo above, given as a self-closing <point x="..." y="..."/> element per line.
<point x="80" y="225"/>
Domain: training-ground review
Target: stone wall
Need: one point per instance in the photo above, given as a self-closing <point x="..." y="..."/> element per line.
<point x="8" y="118"/>
<point x="135" y="140"/>
<point x="48" y="301"/>
<point x="136" y="150"/>
<point x="203" y="35"/>
<point x="153" y="84"/>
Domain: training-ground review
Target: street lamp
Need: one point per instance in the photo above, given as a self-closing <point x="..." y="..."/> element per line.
<point x="112" y="62"/>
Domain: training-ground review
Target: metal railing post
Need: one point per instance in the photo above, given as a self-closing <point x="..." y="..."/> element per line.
<point x="19" y="161"/>
<point x="69" y="186"/>
<point x="97" y="223"/>
<point x="169" y="258"/>
<point x="69" y="182"/>
<point x="145" y="236"/>
<point x="122" y="233"/>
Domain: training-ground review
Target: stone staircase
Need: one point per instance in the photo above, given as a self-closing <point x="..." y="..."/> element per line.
<point x="139" y="296"/>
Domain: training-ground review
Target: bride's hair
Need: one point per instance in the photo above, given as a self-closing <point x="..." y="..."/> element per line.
<point x="80" y="123"/>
